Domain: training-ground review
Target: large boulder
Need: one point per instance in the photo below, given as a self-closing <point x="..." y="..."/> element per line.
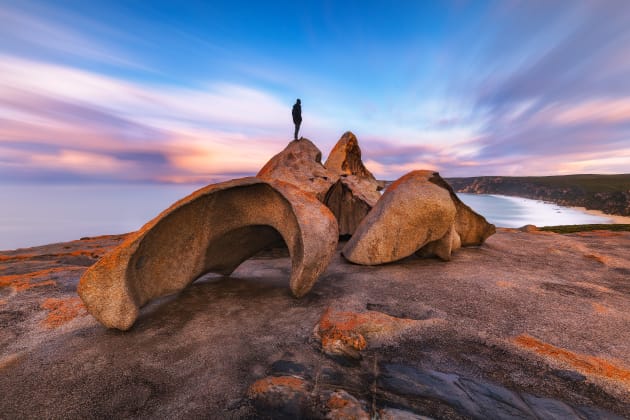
<point x="356" y="191"/>
<point x="412" y="213"/>
<point x="418" y="213"/>
<point x="300" y="164"/>
<point x="214" y="229"/>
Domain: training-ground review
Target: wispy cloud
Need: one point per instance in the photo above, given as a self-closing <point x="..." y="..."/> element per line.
<point x="31" y="31"/>
<point x="110" y="127"/>
<point x="525" y="88"/>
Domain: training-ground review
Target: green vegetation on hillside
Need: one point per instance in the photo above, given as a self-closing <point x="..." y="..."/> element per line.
<point x="587" y="182"/>
<point x="585" y="228"/>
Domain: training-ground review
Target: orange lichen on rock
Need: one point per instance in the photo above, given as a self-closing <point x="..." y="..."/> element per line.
<point x="599" y="308"/>
<point x="344" y="406"/>
<point x="5" y="258"/>
<point x="21" y="282"/>
<point x="92" y="253"/>
<point x="585" y="364"/>
<point x="10" y="360"/>
<point x="507" y="230"/>
<point x="62" y="311"/>
<point x="275" y="383"/>
<point x="504" y="284"/>
<point x="366" y="323"/>
<point x="3" y="301"/>
<point x="336" y="402"/>
<point x="347" y="332"/>
<point x="599" y="258"/>
<point x="599" y="233"/>
<point x="593" y="286"/>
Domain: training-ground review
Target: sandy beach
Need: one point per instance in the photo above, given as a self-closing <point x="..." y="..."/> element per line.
<point x="614" y="219"/>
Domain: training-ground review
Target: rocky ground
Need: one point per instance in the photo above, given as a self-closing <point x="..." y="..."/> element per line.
<point x="529" y="325"/>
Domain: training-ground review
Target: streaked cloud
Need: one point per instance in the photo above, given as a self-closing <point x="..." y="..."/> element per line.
<point x="523" y="88"/>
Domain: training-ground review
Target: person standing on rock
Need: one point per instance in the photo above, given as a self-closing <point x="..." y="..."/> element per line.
<point x="297" y="117"/>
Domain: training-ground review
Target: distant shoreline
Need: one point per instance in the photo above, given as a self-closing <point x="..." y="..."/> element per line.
<point x="616" y="219"/>
<point x="609" y="194"/>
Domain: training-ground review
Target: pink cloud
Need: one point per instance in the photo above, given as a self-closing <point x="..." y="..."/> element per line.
<point x="607" y="111"/>
<point x="90" y="118"/>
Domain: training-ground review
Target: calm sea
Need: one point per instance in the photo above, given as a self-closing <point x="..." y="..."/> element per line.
<point x="33" y="215"/>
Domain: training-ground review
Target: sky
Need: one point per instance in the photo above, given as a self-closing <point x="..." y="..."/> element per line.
<point x="201" y="91"/>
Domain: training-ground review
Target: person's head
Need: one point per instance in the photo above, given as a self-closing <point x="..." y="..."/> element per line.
<point x="297" y="101"/>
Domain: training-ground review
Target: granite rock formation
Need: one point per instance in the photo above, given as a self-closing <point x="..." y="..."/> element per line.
<point x="356" y="190"/>
<point x="345" y="158"/>
<point x="214" y="229"/>
<point x="300" y="164"/>
<point x="347" y="334"/>
<point x="343" y="183"/>
<point x="418" y="213"/>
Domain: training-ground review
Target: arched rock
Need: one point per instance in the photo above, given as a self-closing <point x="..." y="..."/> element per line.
<point x="214" y="229"/>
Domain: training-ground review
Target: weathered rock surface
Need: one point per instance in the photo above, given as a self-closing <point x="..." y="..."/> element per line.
<point x="529" y="317"/>
<point x="475" y="398"/>
<point x="396" y="414"/>
<point x="356" y="191"/>
<point x="347" y="334"/>
<point x="349" y="204"/>
<point x="300" y="164"/>
<point x="212" y="230"/>
<point x="417" y="213"/>
<point x="281" y="396"/>
<point x="412" y="213"/>
<point x="345" y="158"/>
<point x="472" y="228"/>
<point x="344" y="184"/>
<point x="344" y="406"/>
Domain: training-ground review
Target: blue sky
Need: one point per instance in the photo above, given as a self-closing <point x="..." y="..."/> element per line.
<point x="202" y="91"/>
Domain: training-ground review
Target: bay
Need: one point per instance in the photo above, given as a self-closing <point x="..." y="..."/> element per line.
<point x="32" y="215"/>
<point x="514" y="212"/>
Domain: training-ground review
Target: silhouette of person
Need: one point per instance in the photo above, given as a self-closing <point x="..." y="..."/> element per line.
<point x="297" y="117"/>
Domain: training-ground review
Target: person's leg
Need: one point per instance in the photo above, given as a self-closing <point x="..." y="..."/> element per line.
<point x="297" y="129"/>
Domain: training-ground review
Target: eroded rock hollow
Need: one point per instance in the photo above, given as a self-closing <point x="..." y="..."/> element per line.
<point x="214" y="229"/>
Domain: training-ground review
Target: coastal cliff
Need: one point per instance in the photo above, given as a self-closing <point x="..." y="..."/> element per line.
<point x="607" y="193"/>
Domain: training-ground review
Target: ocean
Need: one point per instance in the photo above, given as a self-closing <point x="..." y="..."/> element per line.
<point x="32" y="215"/>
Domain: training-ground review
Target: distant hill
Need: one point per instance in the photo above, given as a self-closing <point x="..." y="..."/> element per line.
<point x="608" y="193"/>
